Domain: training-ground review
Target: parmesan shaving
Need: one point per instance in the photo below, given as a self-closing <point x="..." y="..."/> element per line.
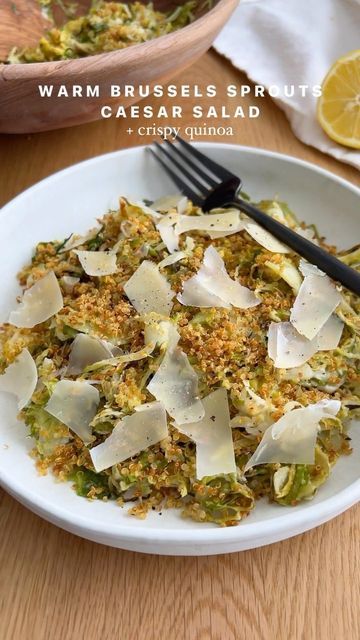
<point x="234" y="229"/>
<point x="288" y="348"/>
<point x="307" y="233"/>
<point x="148" y="290"/>
<point x="330" y="334"/>
<point x="179" y="255"/>
<point x="182" y="205"/>
<point x="68" y="283"/>
<point x="175" y="383"/>
<point x="314" y="304"/>
<point x="292" y="439"/>
<point x="20" y="378"/>
<point x="39" y="303"/>
<point x="133" y="434"/>
<point x="76" y="240"/>
<point x="213" y="437"/>
<point x="145" y="209"/>
<point x="157" y="331"/>
<point x="297" y="374"/>
<point x="86" y="350"/>
<point x="308" y="269"/>
<point x="226" y="223"/>
<point x="172" y="259"/>
<point x="165" y="203"/>
<point x="263" y="237"/>
<point x="75" y="405"/>
<point x="166" y="229"/>
<point x="213" y="287"/>
<point x="97" y="263"/>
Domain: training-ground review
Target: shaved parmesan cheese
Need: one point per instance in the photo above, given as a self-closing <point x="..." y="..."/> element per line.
<point x="288" y="348"/>
<point x="314" y="304"/>
<point x="263" y="237"/>
<point x="74" y="404"/>
<point x="330" y="334"/>
<point x="86" y="350"/>
<point x="308" y="269"/>
<point x="213" y="287"/>
<point x="39" y="303"/>
<point x="166" y="229"/>
<point x="297" y="374"/>
<point x="194" y="294"/>
<point x="179" y="255"/>
<point x="169" y="238"/>
<point x="166" y="203"/>
<point x="148" y="290"/>
<point x="213" y="437"/>
<point x="97" y="263"/>
<point x="227" y="221"/>
<point x="292" y="439"/>
<point x="233" y="229"/>
<point x="77" y="240"/>
<point x="156" y="331"/>
<point x="145" y="209"/>
<point x="68" y="283"/>
<point x="133" y="434"/>
<point x="182" y="205"/>
<point x="175" y="383"/>
<point x="308" y="233"/>
<point x="189" y="245"/>
<point x="20" y="378"/>
<point x="172" y="259"/>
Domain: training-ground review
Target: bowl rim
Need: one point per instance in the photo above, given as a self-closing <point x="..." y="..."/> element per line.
<point x="74" y="65"/>
<point x="268" y="530"/>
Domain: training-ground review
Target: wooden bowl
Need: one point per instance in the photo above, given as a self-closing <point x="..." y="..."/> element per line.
<point x="23" y="110"/>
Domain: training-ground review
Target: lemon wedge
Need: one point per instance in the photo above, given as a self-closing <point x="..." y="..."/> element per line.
<point x="338" y="108"/>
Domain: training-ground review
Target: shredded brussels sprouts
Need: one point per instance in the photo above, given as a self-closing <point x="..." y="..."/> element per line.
<point x="108" y="26"/>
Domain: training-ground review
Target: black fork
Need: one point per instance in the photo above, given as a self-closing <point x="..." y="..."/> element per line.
<point x="209" y="185"/>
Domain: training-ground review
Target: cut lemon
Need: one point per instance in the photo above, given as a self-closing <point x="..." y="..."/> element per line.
<point x="338" y="108"/>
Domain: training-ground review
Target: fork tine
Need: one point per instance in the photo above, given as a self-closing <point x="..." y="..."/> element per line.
<point x="191" y="178"/>
<point x="210" y="182"/>
<point x="175" y="178"/>
<point x="218" y="171"/>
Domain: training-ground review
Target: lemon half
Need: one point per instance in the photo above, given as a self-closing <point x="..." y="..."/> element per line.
<point x="338" y="108"/>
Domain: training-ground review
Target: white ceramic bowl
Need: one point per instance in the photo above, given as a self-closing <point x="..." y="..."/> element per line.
<point x="69" y="201"/>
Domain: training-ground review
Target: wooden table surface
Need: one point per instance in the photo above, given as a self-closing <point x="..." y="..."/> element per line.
<point x="57" y="586"/>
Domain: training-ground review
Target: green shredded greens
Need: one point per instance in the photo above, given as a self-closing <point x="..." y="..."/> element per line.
<point x="108" y="26"/>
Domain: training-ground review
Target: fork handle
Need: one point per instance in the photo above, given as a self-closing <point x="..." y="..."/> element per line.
<point x="308" y="250"/>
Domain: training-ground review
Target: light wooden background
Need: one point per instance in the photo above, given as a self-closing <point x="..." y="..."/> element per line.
<point x="59" y="587"/>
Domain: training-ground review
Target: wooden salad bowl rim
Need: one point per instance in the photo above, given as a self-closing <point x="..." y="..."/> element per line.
<point x="157" y="61"/>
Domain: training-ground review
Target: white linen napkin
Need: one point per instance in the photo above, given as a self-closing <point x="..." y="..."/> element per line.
<point x="285" y="42"/>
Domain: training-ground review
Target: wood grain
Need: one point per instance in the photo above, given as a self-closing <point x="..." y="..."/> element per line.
<point x="55" y="585"/>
